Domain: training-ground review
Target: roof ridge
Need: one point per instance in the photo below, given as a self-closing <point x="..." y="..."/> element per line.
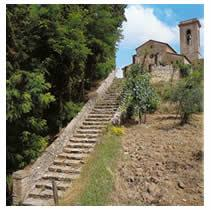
<point x="157" y="42"/>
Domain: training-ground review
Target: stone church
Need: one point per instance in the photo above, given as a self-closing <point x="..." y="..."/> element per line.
<point x="158" y="57"/>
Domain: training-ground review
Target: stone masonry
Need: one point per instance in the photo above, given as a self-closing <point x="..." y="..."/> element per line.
<point x="155" y="56"/>
<point x="63" y="159"/>
<point x="190" y="38"/>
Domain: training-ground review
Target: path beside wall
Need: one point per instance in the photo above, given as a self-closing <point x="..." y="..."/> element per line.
<point x="24" y="180"/>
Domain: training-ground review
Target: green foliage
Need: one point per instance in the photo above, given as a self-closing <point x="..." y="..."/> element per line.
<point x="188" y="94"/>
<point x="27" y="98"/>
<point x="185" y="69"/>
<point x="53" y="53"/>
<point x="138" y="97"/>
<point x="71" y="109"/>
<point x="9" y="189"/>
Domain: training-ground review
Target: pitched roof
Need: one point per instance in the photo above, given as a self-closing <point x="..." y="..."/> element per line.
<point x="180" y="55"/>
<point x="163" y="43"/>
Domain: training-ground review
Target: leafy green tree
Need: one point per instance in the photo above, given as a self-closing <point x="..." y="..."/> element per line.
<point x="138" y="97"/>
<point x="188" y="95"/>
<point x="103" y="32"/>
<point x="55" y="53"/>
<point x="27" y="97"/>
<point x="28" y="94"/>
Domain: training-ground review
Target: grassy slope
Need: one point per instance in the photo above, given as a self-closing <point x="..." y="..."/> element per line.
<point x="97" y="178"/>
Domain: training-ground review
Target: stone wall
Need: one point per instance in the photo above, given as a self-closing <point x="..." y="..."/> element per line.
<point x="24" y="180"/>
<point x="164" y="73"/>
<point x="160" y="73"/>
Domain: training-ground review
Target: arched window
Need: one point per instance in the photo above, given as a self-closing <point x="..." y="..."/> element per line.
<point x="188" y="37"/>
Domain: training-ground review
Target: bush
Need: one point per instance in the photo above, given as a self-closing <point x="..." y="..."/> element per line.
<point x="188" y="94"/>
<point x="118" y="131"/>
<point x="71" y="109"/>
<point x="185" y="69"/>
<point x="138" y="97"/>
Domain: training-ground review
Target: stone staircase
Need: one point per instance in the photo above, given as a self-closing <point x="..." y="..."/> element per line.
<point x="67" y="165"/>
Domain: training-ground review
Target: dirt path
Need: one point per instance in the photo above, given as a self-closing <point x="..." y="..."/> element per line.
<point x="161" y="163"/>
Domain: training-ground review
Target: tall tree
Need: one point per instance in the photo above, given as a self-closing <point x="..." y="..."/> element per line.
<point x="54" y="53"/>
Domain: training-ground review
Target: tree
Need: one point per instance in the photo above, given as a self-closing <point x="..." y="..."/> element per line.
<point x="138" y="96"/>
<point x="188" y="95"/>
<point x="55" y="53"/>
<point x="28" y="95"/>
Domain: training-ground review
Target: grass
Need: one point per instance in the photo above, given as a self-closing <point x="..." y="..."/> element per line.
<point x="97" y="176"/>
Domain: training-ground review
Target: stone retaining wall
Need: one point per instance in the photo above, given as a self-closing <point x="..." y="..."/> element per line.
<point x="164" y="73"/>
<point x="24" y="180"/>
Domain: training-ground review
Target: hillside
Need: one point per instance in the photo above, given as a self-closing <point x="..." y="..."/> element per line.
<point x="161" y="163"/>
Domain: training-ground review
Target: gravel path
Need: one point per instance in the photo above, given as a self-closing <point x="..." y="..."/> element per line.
<point x="161" y="163"/>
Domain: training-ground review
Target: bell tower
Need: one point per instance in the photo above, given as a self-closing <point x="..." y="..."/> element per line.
<point x="190" y="38"/>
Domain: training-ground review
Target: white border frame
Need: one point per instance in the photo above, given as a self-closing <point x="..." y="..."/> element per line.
<point x="207" y="89"/>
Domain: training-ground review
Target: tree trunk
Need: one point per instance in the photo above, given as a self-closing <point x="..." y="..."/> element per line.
<point x="184" y="118"/>
<point x="140" y="117"/>
<point x="145" y="118"/>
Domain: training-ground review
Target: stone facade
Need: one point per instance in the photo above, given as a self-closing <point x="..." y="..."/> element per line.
<point x="190" y="38"/>
<point x="158" y="57"/>
<point x="25" y="179"/>
<point x="164" y="74"/>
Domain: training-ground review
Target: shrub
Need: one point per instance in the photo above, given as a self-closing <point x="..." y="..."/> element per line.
<point x="138" y="97"/>
<point x="71" y="109"/>
<point x="185" y="69"/>
<point x="118" y="131"/>
<point x="188" y="94"/>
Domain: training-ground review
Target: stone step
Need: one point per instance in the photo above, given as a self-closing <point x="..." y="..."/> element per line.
<point x="89" y="131"/>
<point x="87" y="127"/>
<point x="80" y="145"/>
<point x="86" y="136"/>
<point x="64" y="169"/>
<point x="106" y="104"/>
<point x="99" y="115"/>
<point x="111" y="94"/>
<point x="95" y="122"/>
<point x="72" y="156"/>
<point x="108" y="99"/>
<point x="105" y="107"/>
<point x="47" y="184"/>
<point x="43" y="193"/>
<point x="67" y="162"/>
<point x="83" y="140"/>
<point x="38" y="202"/>
<point x="60" y="176"/>
<point x="103" y="111"/>
<point x="98" y="119"/>
<point x="77" y="150"/>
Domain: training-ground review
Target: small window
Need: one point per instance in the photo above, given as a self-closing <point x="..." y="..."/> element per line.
<point x="188" y="37"/>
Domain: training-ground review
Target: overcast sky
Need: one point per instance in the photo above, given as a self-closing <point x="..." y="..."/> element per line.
<point x="158" y="22"/>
